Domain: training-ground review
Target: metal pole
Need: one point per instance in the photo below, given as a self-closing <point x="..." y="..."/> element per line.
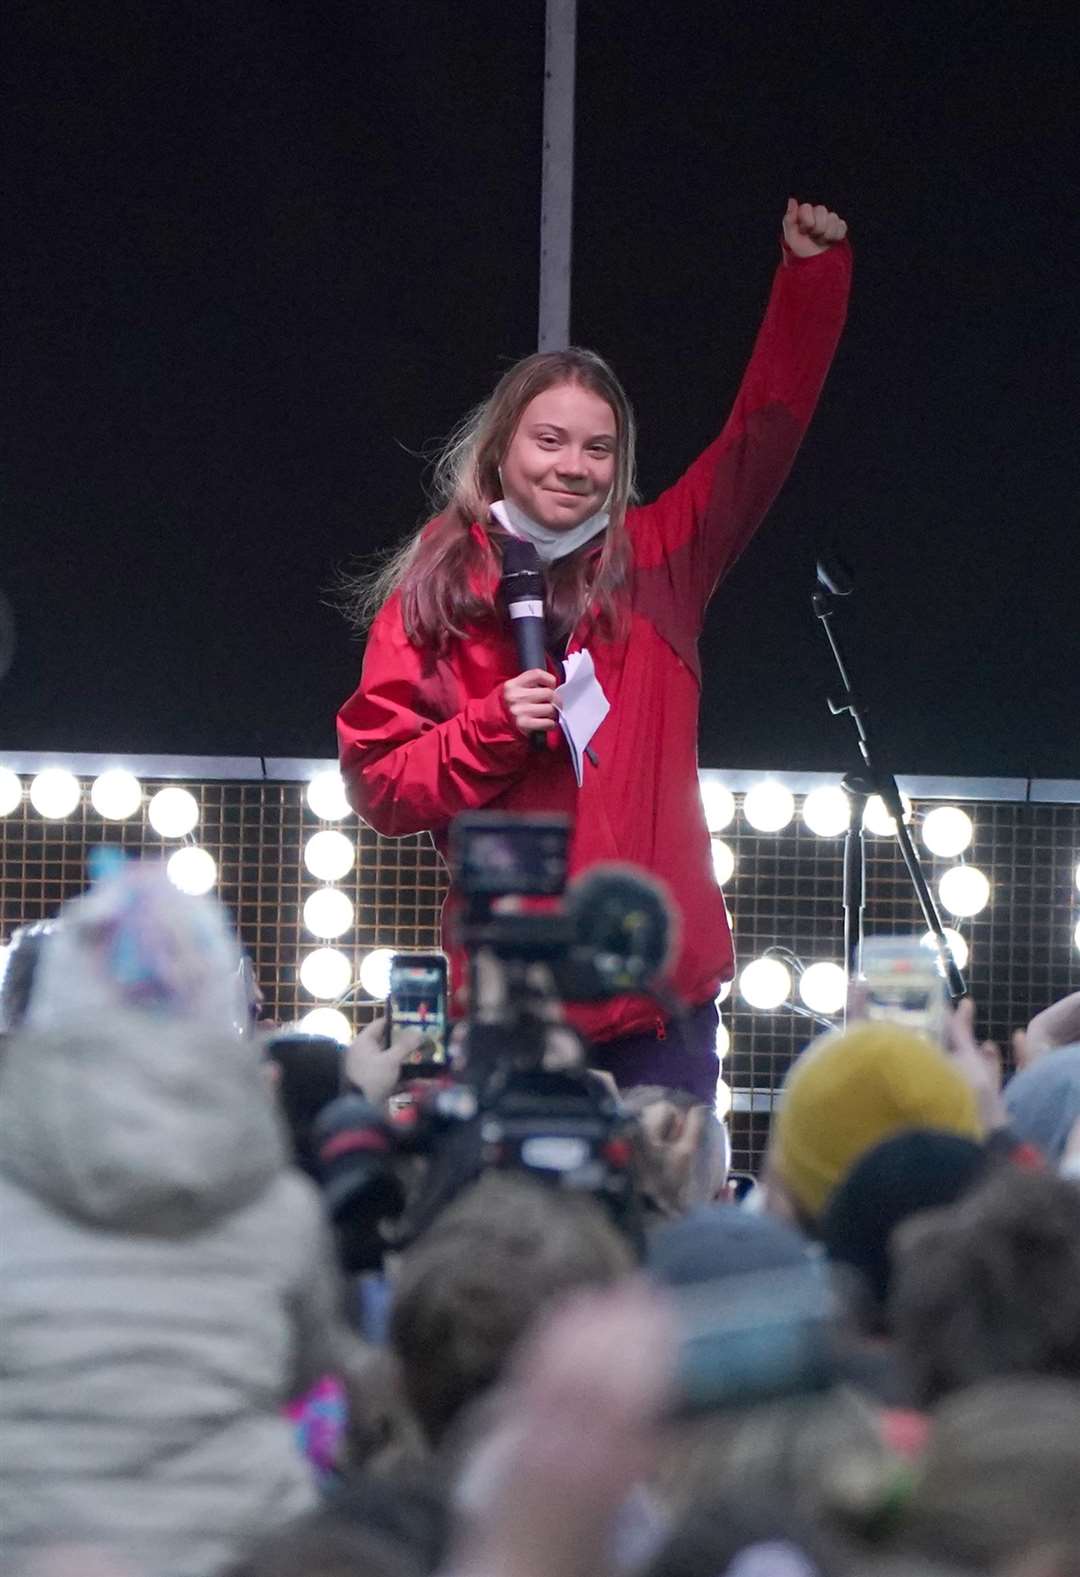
<point x="557" y="175"/>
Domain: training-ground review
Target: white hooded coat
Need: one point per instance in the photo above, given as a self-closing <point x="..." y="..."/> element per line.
<point x="165" y="1285"/>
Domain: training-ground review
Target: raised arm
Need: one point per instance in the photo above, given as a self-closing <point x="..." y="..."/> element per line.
<point x="690" y="537"/>
<point x="406" y="768"/>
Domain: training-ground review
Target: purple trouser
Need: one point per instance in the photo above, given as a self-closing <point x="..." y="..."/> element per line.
<point x="685" y="1059"/>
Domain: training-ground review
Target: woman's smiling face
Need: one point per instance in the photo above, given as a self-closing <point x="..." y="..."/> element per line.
<point x="560" y="463"/>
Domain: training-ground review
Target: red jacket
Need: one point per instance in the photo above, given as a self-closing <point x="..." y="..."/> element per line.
<point x="427" y="736"/>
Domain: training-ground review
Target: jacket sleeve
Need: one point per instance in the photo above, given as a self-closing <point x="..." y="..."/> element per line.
<point x="692" y="535"/>
<point x="406" y="768"/>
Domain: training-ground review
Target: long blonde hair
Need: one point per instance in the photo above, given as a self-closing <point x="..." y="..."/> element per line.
<point x="448" y="581"/>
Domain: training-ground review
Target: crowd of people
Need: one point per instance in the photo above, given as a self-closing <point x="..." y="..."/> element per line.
<point x="870" y="1365"/>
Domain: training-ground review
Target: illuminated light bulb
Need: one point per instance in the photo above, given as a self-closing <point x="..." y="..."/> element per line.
<point x="192" y="869"/>
<point x="723" y="1099"/>
<point x="326" y="796"/>
<point x="329" y="1022"/>
<point x="116" y="794"/>
<point x="326" y="973"/>
<point x="765" y="983"/>
<point x="724" y="992"/>
<point x="957" y="946"/>
<point x="329" y="855"/>
<point x="1078" y="878"/>
<point x="375" y="972"/>
<point x="328" y="913"/>
<point x="10" y="791"/>
<point x="827" y="811"/>
<point x="876" y="818"/>
<point x="1076" y="934"/>
<point x="964" y="891"/>
<point x="723" y="1040"/>
<point x="723" y="861"/>
<point x="54" y="793"/>
<point x="173" y="812"/>
<point x="769" y="806"/>
<point x="947" y="831"/>
<point x="823" y="987"/>
<point x="719" y="805"/>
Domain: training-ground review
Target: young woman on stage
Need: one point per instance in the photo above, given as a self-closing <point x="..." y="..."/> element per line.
<point x="441" y="721"/>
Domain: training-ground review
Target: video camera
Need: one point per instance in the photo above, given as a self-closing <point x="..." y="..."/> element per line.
<point x="531" y="942"/>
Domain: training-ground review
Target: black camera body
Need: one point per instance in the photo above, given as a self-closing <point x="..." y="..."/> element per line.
<point x="611" y="935"/>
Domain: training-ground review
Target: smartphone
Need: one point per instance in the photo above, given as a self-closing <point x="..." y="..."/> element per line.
<point x="903" y="983"/>
<point x="419" y="999"/>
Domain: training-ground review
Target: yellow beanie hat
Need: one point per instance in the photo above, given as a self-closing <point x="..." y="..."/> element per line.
<point x="848" y="1092"/>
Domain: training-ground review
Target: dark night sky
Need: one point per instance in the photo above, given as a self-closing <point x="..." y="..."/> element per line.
<point x="261" y="253"/>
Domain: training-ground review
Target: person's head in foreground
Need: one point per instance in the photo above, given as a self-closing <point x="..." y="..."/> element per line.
<point x="844" y="1095"/>
<point x="990" y="1286"/>
<point x="473" y="1284"/>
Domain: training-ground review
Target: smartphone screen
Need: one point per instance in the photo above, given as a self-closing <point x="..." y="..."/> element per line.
<point x="419" y="1000"/>
<point x="903" y="983"/>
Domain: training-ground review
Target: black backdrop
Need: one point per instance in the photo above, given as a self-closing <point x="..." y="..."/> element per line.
<point x="263" y="253"/>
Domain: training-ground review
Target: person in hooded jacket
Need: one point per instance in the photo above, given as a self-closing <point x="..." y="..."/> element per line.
<point x="167" y="1284"/>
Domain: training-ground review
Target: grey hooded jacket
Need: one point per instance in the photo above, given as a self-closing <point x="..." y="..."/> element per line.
<point x="165" y="1286"/>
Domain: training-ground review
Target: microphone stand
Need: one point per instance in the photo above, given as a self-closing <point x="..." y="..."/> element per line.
<point x="833" y="582"/>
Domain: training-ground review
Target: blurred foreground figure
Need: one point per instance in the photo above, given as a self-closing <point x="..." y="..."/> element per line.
<point x="166" y="1281"/>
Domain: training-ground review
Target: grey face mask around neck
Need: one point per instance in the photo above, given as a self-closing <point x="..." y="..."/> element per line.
<point x="549" y="544"/>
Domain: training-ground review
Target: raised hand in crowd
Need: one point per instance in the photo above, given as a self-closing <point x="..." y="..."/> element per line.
<point x="578" y="1432"/>
<point x="1055" y="1026"/>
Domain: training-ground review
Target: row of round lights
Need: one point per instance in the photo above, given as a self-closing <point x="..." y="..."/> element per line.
<point x="326" y="973"/>
<point x="769" y="806"/>
<point x="117" y="795"/>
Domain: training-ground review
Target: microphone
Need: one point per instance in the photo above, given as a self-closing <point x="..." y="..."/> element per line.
<point x="834" y="575"/>
<point x="523" y="593"/>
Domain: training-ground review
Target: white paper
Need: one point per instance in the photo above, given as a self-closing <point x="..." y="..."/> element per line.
<point x="583" y="707"/>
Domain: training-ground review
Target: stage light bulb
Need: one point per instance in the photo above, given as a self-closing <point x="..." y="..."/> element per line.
<point x="876" y="818"/>
<point x="823" y="987"/>
<point x="723" y="1099"/>
<point x="947" y="831"/>
<point x="723" y="1040"/>
<point x="964" y="891"/>
<point x="375" y="972"/>
<point x="54" y="793"/>
<point x="769" y="806"/>
<point x="957" y="946"/>
<point x="192" y="869"/>
<point x="116" y="794"/>
<point x="329" y="855"/>
<point x="827" y="811"/>
<point x="724" y="992"/>
<point x="719" y="804"/>
<point x="326" y="796"/>
<point x="765" y="983"/>
<point x="10" y="791"/>
<point x="173" y="812"/>
<point x="328" y="913"/>
<point x="723" y="861"/>
<point x="326" y="973"/>
<point x="1076" y="934"/>
<point x="329" y="1022"/>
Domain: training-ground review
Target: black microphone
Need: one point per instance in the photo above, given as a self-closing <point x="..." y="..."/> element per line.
<point x="523" y="593"/>
<point x="834" y="574"/>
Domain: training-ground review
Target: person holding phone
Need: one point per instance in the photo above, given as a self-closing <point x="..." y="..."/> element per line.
<point x="443" y="721"/>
